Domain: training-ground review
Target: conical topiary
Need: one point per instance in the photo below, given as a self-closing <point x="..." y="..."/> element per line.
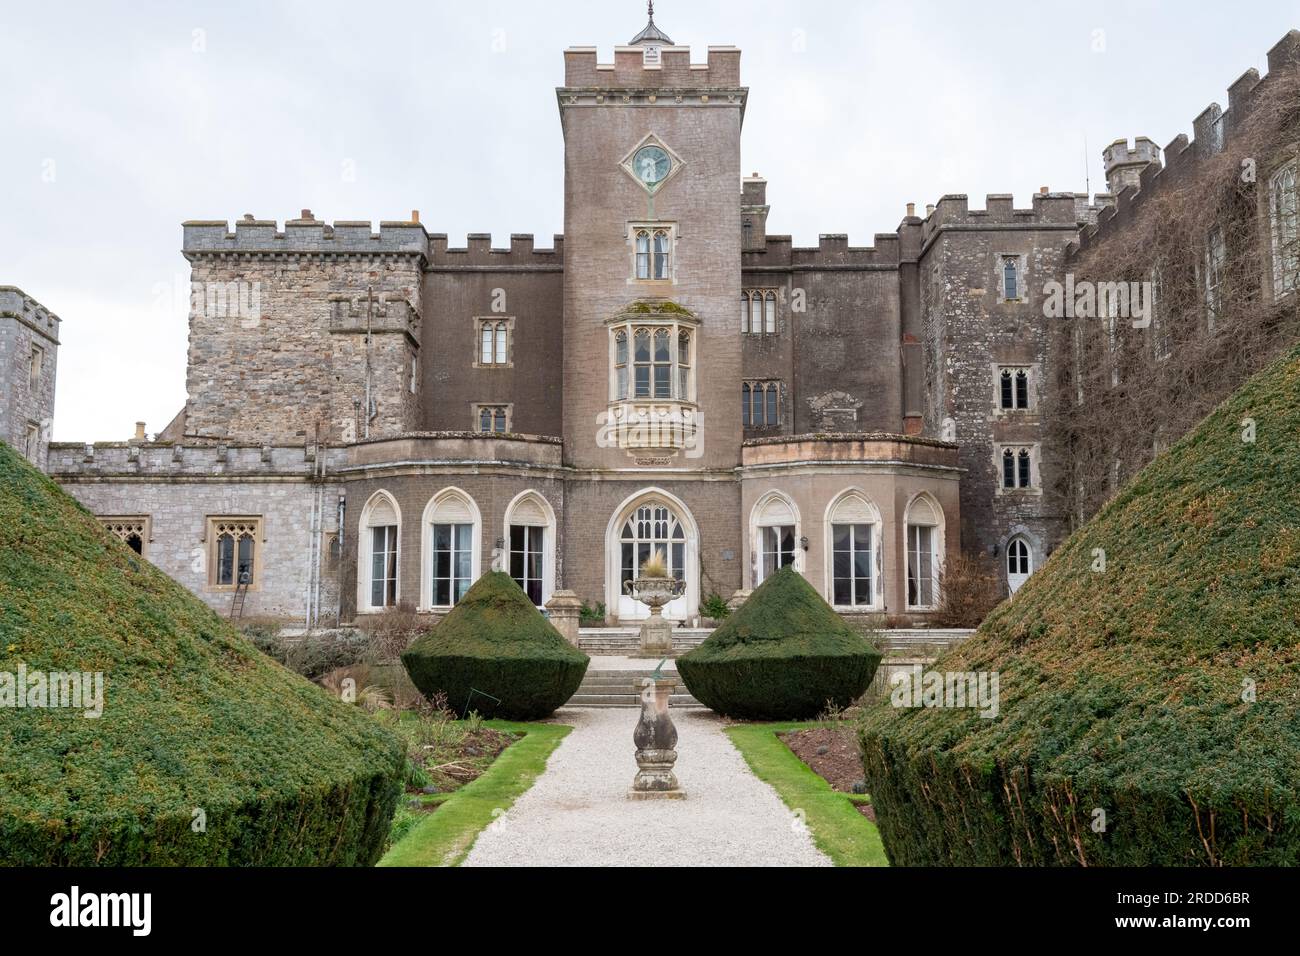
<point x="495" y="654"/>
<point x="206" y="752"/>
<point x="1148" y="707"/>
<point x="784" y="655"/>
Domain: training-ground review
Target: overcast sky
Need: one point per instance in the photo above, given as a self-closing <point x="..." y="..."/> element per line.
<point x="122" y="119"/>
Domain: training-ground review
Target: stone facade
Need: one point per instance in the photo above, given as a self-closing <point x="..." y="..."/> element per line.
<point x="176" y="490"/>
<point x="29" y="347"/>
<point x="339" y="376"/>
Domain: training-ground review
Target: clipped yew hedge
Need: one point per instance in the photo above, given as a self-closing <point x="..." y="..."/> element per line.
<point x="784" y="655"/>
<point x="207" y="752"/>
<point x="1149" y="712"/>
<point x="497" y="655"/>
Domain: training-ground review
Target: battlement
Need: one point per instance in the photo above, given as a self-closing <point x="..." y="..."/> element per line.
<point x="305" y="235"/>
<point x="356" y="314"/>
<point x="831" y="252"/>
<point x="1119" y="153"/>
<point x="1212" y="132"/>
<point x="74" y="461"/>
<point x="17" y="304"/>
<point x="1124" y="163"/>
<point x="1047" y="210"/>
<point x="479" y="254"/>
<point x="635" y="68"/>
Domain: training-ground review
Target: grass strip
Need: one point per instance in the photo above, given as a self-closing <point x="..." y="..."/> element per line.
<point x="838" y="829"/>
<point x="445" y="837"/>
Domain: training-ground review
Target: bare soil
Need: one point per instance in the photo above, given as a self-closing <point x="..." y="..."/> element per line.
<point x="840" y="764"/>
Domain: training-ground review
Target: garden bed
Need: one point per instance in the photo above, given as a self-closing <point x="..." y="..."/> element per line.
<point x="832" y="753"/>
<point x="443" y="755"/>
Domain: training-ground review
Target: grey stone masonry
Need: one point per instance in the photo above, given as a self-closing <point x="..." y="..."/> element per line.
<point x="310" y="333"/>
<point x="29" y="345"/>
<point x="178" y="491"/>
<point x="970" y="330"/>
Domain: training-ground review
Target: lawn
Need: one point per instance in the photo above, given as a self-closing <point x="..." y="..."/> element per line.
<point x="838" y="828"/>
<point x="444" y="837"/>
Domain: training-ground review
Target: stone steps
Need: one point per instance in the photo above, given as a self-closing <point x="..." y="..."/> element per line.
<point x="625" y="641"/>
<point x="622" y="688"/>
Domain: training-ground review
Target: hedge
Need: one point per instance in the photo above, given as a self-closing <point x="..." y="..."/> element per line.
<point x="1149" y="712"/>
<point x="495" y="654"/>
<point x="207" y="752"/>
<point x="784" y="655"/>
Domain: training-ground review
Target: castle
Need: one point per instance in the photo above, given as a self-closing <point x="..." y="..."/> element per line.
<point x="377" y="416"/>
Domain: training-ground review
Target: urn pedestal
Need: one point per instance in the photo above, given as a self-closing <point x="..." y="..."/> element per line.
<point x="656" y="639"/>
<point x="656" y="739"/>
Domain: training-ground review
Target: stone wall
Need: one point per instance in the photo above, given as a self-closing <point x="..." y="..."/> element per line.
<point x="968" y="330"/>
<point x="179" y="488"/>
<point x="279" y="323"/>
<point x="811" y="473"/>
<point x="520" y="286"/>
<point x="839" y="333"/>
<point x="26" y="325"/>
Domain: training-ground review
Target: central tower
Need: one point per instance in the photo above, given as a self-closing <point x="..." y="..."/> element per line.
<point x="652" y="360"/>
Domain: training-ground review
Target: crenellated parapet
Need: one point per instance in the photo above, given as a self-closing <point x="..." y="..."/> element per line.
<point x="82" y="461"/>
<point x="384" y="314"/>
<point x="1124" y="163"/>
<point x="17" y="304"/>
<point x="832" y="252"/>
<point x="637" y="69"/>
<point x="303" y="236"/>
<point x="479" y="255"/>
<point x="1048" y="210"/>
<point x="1212" y="133"/>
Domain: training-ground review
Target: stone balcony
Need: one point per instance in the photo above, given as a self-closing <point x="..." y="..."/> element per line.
<point x="660" y="424"/>
<point x="879" y="449"/>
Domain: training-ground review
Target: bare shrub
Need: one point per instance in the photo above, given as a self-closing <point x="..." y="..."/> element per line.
<point x="969" y="588"/>
<point x="391" y="631"/>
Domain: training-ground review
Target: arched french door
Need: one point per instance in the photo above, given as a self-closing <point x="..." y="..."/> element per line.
<point x="652" y="523"/>
<point x="1020" y="563"/>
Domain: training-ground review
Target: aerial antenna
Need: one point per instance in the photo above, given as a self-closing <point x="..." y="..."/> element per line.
<point x="1087" y="171"/>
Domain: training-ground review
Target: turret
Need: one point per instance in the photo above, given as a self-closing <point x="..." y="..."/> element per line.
<point x="1124" y="163"/>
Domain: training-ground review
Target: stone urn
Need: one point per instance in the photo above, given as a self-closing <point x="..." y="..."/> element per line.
<point x="656" y="632"/>
<point x="656" y="739"/>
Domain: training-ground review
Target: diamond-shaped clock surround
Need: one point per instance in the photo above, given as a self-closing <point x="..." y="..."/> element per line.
<point x="652" y="140"/>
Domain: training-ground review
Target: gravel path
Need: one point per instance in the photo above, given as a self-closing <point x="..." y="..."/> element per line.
<point x="578" y="813"/>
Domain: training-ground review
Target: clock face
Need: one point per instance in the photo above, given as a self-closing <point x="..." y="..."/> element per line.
<point x="651" y="165"/>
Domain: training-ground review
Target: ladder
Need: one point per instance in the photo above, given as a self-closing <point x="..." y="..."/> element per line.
<point x="241" y="595"/>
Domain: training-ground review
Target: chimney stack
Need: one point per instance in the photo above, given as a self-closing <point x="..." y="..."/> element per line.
<point x="139" y="431"/>
<point x="415" y="215"/>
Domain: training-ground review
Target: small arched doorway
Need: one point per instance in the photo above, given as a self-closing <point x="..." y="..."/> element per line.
<point x="1020" y="562"/>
